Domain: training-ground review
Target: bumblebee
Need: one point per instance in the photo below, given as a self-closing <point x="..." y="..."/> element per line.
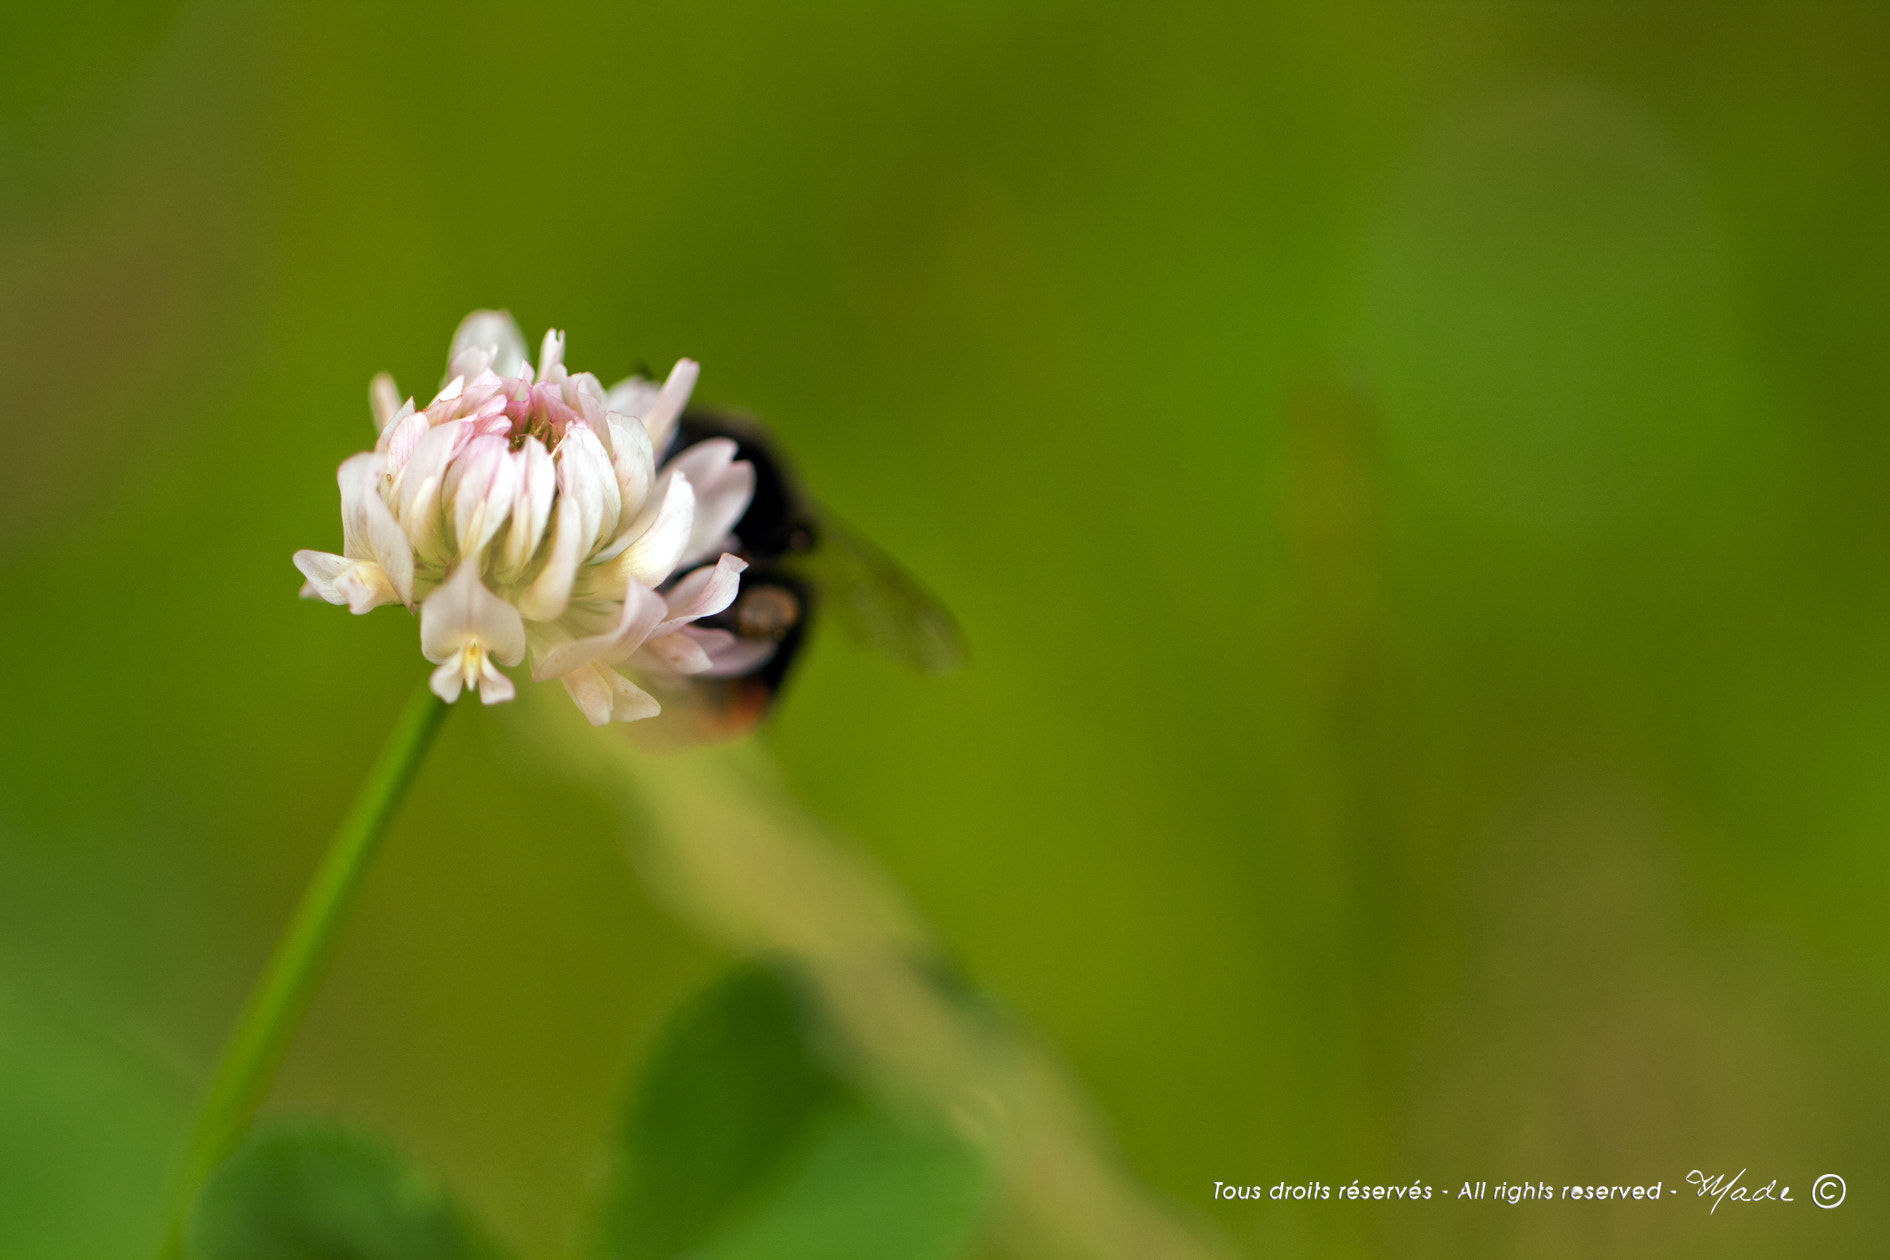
<point x="803" y="566"/>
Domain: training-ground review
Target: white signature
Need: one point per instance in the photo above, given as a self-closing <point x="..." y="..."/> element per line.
<point x="1722" y="1189"/>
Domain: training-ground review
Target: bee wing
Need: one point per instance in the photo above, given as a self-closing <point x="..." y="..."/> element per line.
<point x="878" y="602"/>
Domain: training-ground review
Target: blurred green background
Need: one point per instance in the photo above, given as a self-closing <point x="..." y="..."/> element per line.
<point x="1411" y="475"/>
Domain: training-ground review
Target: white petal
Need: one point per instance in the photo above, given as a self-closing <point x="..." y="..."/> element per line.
<point x="633" y="461"/>
<point x="470" y="362"/>
<point x="629" y="702"/>
<point x="584" y="394"/>
<point x="482" y="483"/>
<point x="323" y="569"/>
<point x="550" y="591"/>
<point x="590" y="690"/>
<point x="451" y="391"/>
<point x="724" y="487"/>
<point x="531" y="508"/>
<point x="703" y="462"/>
<point x="603" y="695"/>
<point x="585" y="474"/>
<point x="448" y="680"/>
<point x="366" y="586"/>
<point x="368" y="528"/>
<point x="661" y="417"/>
<point x="495" y="333"/>
<point x="551" y="353"/>
<point x="494" y="687"/>
<point x="422" y="481"/>
<point x="633" y="396"/>
<point x="653" y="544"/>
<point x="385" y="400"/>
<point x="703" y="592"/>
<point x="717" y="511"/>
<point x="642" y="609"/>
<point x="463" y="611"/>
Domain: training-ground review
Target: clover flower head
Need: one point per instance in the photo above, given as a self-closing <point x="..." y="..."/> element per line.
<point x="532" y="512"/>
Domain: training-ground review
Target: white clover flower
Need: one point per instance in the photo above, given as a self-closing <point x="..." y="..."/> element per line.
<point x="526" y="511"/>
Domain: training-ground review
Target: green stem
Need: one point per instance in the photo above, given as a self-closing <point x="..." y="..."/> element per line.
<point x="275" y="1008"/>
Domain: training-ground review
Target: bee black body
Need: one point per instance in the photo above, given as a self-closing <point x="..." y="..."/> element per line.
<point x="778" y="528"/>
<point x="802" y="563"/>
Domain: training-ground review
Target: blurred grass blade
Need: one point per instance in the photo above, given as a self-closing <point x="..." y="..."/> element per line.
<point x="723" y="842"/>
<point x="320" y="1192"/>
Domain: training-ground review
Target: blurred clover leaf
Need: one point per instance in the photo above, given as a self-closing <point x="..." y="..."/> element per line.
<point x="742" y="1142"/>
<point x="321" y="1192"/>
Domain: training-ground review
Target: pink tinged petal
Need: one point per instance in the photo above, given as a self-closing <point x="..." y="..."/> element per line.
<point x="551" y="352"/>
<point x="462" y="612"/>
<point x="656" y="539"/>
<point x="537" y="487"/>
<point x="642" y="609"/>
<point x="492" y="426"/>
<point x="676" y="652"/>
<point x="661" y="417"/>
<point x="633" y="461"/>
<point x="497" y="335"/>
<point x="385" y="400"/>
<point x="550" y="591"/>
<point x="724" y="487"/>
<point x="486" y="393"/>
<point x="546" y="403"/>
<point x="713" y="641"/>
<point x="368" y="528"/>
<point x="729" y="656"/>
<point x="632" y="396"/>
<point x="399" y="438"/>
<point x="481" y="485"/>
<point x="484" y="400"/>
<point x="585" y="474"/>
<point x="703" y="593"/>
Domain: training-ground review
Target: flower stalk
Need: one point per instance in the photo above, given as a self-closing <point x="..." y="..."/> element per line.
<point x="276" y="1006"/>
